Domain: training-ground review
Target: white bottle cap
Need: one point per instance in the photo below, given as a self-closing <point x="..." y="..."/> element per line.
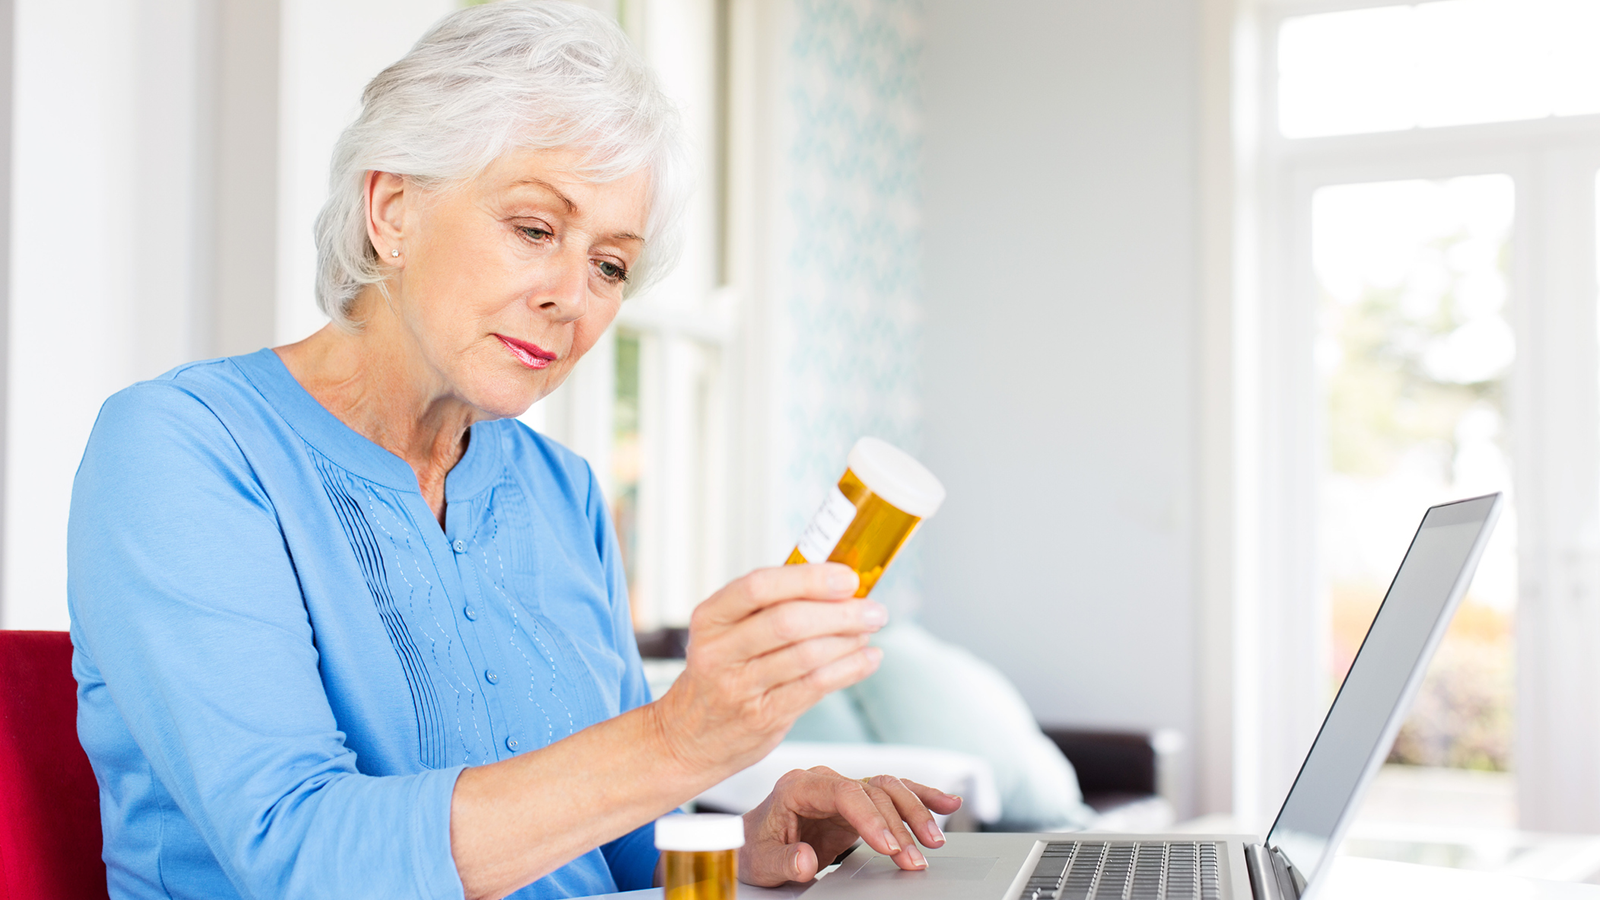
<point x="700" y="832"/>
<point x="894" y="475"/>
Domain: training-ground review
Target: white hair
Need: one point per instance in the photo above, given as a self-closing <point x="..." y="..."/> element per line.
<point x="487" y="80"/>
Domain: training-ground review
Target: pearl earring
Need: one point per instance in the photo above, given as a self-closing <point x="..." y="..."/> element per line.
<point x="394" y="253"/>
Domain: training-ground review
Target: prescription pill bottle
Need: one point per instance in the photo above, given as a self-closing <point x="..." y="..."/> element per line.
<point x="881" y="499"/>
<point x="701" y="852"/>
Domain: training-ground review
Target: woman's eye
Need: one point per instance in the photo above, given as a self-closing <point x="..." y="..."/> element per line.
<point x="611" y="271"/>
<point x="535" y="233"/>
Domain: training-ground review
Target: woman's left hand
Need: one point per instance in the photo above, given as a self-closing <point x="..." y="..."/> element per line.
<point x="814" y="815"/>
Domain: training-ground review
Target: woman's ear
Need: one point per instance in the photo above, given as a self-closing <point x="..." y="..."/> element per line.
<point x="386" y="207"/>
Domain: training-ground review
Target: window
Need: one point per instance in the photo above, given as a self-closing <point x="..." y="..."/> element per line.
<point x="1413" y="347"/>
<point x="1427" y="331"/>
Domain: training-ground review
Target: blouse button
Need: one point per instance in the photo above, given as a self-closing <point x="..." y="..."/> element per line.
<point x="461" y="546"/>
<point x="470" y="613"/>
<point x="490" y="676"/>
<point x="511" y="743"/>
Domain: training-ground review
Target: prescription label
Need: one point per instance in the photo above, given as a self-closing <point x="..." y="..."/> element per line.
<point x="827" y="527"/>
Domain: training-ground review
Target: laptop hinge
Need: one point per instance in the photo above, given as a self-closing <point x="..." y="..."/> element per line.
<point x="1272" y="875"/>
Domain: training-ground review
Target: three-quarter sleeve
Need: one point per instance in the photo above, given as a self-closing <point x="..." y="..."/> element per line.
<point x="186" y="604"/>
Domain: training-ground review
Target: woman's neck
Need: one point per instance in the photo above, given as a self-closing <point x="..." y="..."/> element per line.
<point x="371" y="385"/>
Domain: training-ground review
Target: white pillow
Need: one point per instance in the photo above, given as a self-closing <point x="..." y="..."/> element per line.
<point x="931" y="693"/>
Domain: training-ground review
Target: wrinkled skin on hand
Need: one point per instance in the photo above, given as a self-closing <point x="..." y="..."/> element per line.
<point x="814" y="815"/>
<point x="762" y="651"/>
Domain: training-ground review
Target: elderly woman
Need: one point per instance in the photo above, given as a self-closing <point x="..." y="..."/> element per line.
<point x="345" y="628"/>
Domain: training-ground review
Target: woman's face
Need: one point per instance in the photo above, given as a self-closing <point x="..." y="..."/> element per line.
<point x="505" y="281"/>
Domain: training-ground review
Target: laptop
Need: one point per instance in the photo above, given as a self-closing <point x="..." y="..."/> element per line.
<point x="1295" y="856"/>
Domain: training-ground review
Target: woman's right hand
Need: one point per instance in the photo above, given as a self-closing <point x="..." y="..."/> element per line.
<point x="763" y="650"/>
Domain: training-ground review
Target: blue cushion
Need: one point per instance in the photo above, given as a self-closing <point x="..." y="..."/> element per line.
<point x="934" y="694"/>
<point x="834" y="720"/>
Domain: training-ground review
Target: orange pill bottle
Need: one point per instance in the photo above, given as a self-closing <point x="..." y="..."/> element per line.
<point x="865" y="519"/>
<point x="700" y="853"/>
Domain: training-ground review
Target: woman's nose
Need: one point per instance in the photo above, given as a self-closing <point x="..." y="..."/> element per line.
<point x="566" y="296"/>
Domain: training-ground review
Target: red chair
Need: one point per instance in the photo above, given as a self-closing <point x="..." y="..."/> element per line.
<point x="49" y="803"/>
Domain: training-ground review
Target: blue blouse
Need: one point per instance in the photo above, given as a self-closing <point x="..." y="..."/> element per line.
<point x="284" y="662"/>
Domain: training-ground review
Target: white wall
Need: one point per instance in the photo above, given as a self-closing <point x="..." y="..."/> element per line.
<point x="1060" y="349"/>
<point x="102" y="219"/>
<point x="331" y="49"/>
<point x="148" y="226"/>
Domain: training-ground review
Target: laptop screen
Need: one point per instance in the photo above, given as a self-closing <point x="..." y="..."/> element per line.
<point x="1365" y="715"/>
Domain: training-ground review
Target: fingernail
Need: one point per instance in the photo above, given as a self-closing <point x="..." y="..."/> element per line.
<point x="934" y="834"/>
<point x="842" y="581"/>
<point x="888" y="839"/>
<point x="917" y="858"/>
<point x="874" y="614"/>
<point x="874" y="655"/>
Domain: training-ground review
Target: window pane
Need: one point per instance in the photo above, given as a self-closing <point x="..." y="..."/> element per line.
<point x="625" y="469"/>
<point x="1413" y="353"/>
<point x="1483" y="61"/>
<point x="1319" y="92"/>
<point x="1445" y="63"/>
<point x="669" y="459"/>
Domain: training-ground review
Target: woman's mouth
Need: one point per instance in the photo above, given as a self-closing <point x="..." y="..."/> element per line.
<point x="531" y="355"/>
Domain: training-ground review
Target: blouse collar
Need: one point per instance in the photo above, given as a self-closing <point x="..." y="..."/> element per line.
<point x="352" y="451"/>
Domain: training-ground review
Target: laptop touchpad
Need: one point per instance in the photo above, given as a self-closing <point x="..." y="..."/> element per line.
<point x="940" y="868"/>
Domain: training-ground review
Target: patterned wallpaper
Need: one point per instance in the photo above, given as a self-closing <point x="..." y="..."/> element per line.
<point x="853" y="306"/>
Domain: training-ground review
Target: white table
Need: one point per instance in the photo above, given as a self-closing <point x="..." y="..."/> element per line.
<point x="1352" y="878"/>
<point x="1355" y="878"/>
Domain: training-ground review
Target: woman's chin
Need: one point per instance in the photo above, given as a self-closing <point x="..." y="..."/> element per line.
<point x="508" y="401"/>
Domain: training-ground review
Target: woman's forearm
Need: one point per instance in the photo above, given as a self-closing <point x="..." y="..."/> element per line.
<point x="762" y="651"/>
<point x="520" y="819"/>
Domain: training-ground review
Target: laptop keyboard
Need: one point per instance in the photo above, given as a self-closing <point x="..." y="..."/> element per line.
<point x="1129" y="870"/>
